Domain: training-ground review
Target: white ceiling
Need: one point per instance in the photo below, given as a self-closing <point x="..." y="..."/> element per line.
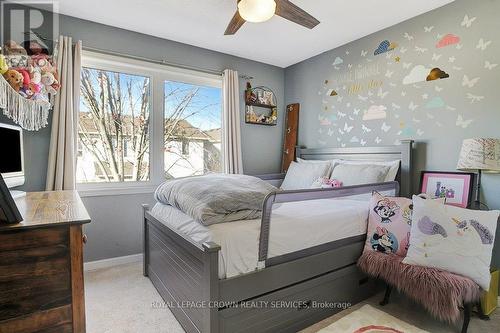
<point x="277" y="41"/>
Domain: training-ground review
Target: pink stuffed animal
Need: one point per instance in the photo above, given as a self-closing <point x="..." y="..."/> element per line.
<point x="26" y="76"/>
<point x="31" y="90"/>
<point x="325" y="182"/>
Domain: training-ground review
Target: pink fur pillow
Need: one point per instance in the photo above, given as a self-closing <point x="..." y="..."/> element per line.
<point x="389" y="224"/>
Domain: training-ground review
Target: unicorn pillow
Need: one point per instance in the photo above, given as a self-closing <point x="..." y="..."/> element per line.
<point x="389" y="223"/>
<point x="452" y="239"/>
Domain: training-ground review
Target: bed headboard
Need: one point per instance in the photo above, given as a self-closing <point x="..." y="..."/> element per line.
<point x="402" y="152"/>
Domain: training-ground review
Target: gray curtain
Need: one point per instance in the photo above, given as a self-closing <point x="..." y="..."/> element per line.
<point x="231" y="137"/>
<point x="61" y="168"/>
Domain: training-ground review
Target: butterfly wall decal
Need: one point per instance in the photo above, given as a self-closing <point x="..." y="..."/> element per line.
<point x="489" y="65"/>
<point x="347" y="128"/>
<point x="461" y="122"/>
<point x="482" y="44"/>
<point x="408" y="36"/>
<point x="469" y="82"/>
<point x="474" y="98"/>
<point x="467" y="22"/>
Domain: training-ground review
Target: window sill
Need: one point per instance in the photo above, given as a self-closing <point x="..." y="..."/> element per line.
<point x="106" y="190"/>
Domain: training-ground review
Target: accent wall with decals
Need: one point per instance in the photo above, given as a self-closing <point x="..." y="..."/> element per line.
<point x="434" y="79"/>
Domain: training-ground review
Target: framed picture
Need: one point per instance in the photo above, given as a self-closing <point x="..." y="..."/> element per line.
<point x="8" y="209"/>
<point x="456" y="187"/>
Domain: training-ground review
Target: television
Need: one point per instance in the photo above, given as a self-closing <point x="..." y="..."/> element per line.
<point x="12" y="155"/>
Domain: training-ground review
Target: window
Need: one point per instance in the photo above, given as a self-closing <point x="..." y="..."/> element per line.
<point x="114" y="110"/>
<point x="141" y="123"/>
<point x="192" y="132"/>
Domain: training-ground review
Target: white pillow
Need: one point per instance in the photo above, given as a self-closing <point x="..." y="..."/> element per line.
<point x="452" y="239"/>
<point x="356" y="174"/>
<point x="333" y="163"/>
<point x="391" y="175"/>
<point x="302" y="175"/>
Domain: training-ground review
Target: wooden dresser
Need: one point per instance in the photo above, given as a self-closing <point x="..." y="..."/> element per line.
<point x="41" y="265"/>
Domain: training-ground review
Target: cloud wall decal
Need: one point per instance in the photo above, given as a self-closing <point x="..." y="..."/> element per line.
<point x="338" y="61"/>
<point x="375" y="112"/>
<point x="447" y="40"/>
<point x="385" y="46"/>
<point x="418" y="73"/>
<point x="436" y="74"/>
<point x="435" y="103"/>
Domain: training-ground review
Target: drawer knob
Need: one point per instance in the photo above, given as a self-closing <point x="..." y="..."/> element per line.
<point x="84" y="239"/>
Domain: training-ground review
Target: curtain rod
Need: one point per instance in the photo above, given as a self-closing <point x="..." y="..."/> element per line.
<point x="161" y="62"/>
<point x="155" y="61"/>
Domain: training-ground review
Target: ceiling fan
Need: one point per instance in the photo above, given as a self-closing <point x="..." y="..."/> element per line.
<point x="263" y="10"/>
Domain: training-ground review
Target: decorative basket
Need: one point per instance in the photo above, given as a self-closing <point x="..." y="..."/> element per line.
<point x="29" y="114"/>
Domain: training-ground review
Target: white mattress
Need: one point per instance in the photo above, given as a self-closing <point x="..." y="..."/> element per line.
<point x="294" y="226"/>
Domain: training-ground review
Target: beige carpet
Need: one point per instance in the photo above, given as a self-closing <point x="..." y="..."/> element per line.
<point x="119" y="300"/>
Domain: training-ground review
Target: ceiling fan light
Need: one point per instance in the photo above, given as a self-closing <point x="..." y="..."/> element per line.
<point x="257" y="10"/>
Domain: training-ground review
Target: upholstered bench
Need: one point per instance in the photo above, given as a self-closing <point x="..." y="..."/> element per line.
<point x="441" y="293"/>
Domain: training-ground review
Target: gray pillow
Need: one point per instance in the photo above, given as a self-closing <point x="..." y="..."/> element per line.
<point x="357" y="174"/>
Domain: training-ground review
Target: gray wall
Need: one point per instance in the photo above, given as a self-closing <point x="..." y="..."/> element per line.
<point x="116" y="224"/>
<point x="433" y="124"/>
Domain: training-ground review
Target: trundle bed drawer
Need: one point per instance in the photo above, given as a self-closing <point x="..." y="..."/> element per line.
<point x="296" y="307"/>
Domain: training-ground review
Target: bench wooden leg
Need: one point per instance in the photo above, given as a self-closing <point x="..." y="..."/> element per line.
<point x="387" y="295"/>
<point x="467" y="313"/>
<point x="480" y="312"/>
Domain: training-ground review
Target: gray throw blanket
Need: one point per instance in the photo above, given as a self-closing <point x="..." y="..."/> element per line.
<point x="216" y="198"/>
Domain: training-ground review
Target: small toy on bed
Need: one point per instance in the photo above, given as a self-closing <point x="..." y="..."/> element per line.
<point x="325" y="182"/>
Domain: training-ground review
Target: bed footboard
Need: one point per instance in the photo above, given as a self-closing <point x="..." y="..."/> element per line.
<point x="184" y="273"/>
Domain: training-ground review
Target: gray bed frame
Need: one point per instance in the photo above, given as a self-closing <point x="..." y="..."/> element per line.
<point x="294" y="290"/>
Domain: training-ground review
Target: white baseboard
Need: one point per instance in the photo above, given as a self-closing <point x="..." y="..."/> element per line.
<point x="111" y="262"/>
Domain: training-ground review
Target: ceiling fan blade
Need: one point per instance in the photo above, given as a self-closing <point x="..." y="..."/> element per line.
<point x="235" y="24"/>
<point x="291" y="12"/>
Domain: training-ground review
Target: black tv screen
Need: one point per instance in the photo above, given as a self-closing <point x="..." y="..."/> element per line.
<point x="10" y="160"/>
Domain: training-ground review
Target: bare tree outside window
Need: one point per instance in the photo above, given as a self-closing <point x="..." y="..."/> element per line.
<point x="113" y="129"/>
<point x="192" y="132"/>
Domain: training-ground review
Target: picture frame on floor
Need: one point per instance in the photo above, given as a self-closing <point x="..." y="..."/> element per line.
<point x="455" y="187"/>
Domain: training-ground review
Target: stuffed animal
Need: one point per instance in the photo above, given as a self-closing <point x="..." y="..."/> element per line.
<point x="53" y="88"/>
<point x="42" y="61"/>
<point x="50" y="83"/>
<point x="26" y="76"/>
<point x="35" y="75"/>
<point x="40" y="97"/>
<point x="17" y="60"/>
<point x="34" y="48"/>
<point x="31" y="90"/>
<point x="48" y="79"/>
<point x="14" y="78"/>
<point x="12" y="48"/>
<point x="3" y="65"/>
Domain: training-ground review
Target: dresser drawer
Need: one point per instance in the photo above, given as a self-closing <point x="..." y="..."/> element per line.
<point x="28" y="238"/>
<point x="34" y="277"/>
<point x="56" y="320"/>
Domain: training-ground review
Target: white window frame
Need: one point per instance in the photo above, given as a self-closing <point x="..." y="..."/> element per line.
<point x="158" y="74"/>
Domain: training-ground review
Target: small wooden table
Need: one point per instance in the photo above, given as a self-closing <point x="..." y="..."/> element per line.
<point x="41" y="265"/>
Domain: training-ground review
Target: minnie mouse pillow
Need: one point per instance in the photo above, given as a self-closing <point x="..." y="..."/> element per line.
<point x="389" y="223"/>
